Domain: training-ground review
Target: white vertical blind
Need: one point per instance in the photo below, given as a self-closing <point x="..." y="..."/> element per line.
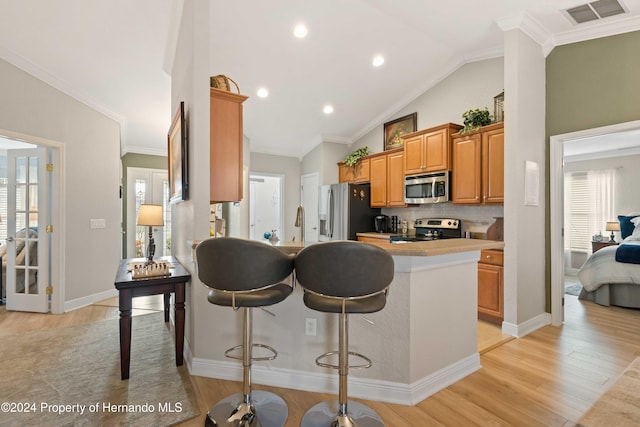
<point x="589" y="201"/>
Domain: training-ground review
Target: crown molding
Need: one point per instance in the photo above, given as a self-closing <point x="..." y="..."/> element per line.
<point x="37" y="72"/>
<point x="133" y="149"/>
<point x="337" y="139"/>
<point x="598" y="30"/>
<point x="531" y="27"/>
<point x="62" y="86"/>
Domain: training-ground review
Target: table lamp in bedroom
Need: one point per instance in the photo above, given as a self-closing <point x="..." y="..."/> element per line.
<point x="613" y="226"/>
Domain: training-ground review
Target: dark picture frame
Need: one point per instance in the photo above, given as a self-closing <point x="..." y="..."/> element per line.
<point x="394" y="130"/>
<point x="177" y="155"/>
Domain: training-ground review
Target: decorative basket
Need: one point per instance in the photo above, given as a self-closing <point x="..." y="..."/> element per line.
<point x="222" y="82"/>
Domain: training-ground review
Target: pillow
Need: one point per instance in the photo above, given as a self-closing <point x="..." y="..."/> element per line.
<point x="626" y="226"/>
<point x="636" y="231"/>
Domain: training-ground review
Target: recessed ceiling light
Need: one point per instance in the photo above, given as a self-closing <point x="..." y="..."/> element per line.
<point x="378" y="60"/>
<point x="263" y="93"/>
<point x="328" y="109"/>
<point x="300" y="31"/>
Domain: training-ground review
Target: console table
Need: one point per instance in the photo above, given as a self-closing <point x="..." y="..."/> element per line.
<point x="129" y="288"/>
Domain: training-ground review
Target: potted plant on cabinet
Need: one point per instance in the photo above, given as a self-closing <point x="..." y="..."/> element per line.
<point x="475" y="119"/>
<point x="355" y="156"/>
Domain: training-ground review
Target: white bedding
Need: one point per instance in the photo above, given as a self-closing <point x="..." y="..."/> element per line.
<point x="601" y="268"/>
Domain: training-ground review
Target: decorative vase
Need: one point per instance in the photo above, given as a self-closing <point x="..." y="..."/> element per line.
<point x="496" y="230"/>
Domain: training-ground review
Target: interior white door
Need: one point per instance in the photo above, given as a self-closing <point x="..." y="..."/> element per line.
<point x="147" y="186"/>
<point x="28" y="214"/>
<point x="310" y="189"/>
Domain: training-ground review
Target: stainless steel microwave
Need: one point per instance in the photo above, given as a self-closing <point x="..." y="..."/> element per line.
<point x="426" y="188"/>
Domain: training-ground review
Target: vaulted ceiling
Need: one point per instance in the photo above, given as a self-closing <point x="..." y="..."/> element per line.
<point x="112" y="55"/>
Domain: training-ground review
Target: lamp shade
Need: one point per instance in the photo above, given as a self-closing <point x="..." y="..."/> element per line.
<point x="150" y="215"/>
<point x="613" y="226"/>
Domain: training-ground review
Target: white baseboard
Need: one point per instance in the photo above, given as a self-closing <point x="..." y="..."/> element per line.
<point x="363" y="388"/>
<point x="88" y="300"/>
<point x="525" y="328"/>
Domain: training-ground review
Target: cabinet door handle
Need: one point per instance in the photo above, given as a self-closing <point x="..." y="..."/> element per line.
<point x="488" y="256"/>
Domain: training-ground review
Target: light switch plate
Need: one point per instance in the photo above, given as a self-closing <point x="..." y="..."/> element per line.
<point x="97" y="223"/>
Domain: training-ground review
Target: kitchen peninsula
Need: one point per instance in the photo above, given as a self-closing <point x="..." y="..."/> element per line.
<point x="423" y="340"/>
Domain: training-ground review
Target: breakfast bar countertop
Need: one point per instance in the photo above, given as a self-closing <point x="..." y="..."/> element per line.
<point x="429" y="248"/>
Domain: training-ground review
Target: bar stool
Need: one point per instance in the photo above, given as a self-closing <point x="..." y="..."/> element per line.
<point x="245" y="274"/>
<point x="343" y="277"/>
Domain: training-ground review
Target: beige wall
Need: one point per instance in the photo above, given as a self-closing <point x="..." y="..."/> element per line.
<point x="91" y="176"/>
<point x="471" y="86"/>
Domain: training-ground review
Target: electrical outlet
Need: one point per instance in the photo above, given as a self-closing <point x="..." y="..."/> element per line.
<point x="310" y="325"/>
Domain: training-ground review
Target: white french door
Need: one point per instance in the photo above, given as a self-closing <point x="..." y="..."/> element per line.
<point x="147" y="186"/>
<point x="28" y="240"/>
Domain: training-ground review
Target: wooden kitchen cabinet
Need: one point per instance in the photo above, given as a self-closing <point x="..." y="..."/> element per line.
<point x="387" y="179"/>
<point x="478" y="166"/>
<point x="491" y="286"/>
<point x="225" y="146"/>
<point x="358" y="173"/>
<point x="428" y="150"/>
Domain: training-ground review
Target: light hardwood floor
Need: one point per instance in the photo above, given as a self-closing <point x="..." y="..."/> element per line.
<point x="548" y="378"/>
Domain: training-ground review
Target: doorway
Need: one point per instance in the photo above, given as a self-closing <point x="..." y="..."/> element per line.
<point x="29" y="214"/>
<point x="147" y="186"/>
<point x="558" y="144"/>
<point x="266" y="206"/>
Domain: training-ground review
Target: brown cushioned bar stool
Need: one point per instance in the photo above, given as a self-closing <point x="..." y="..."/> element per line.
<point x="245" y="274"/>
<point x="343" y="277"/>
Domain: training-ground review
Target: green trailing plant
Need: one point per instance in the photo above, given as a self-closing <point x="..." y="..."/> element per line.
<point x="356" y="155"/>
<point x="475" y="119"/>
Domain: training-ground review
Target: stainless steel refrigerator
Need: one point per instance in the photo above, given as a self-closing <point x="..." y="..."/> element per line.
<point x="343" y="211"/>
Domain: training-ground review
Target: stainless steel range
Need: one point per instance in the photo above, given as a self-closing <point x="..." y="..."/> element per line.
<point x="433" y="229"/>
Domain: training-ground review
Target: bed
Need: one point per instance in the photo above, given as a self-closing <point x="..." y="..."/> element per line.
<point x="606" y="281"/>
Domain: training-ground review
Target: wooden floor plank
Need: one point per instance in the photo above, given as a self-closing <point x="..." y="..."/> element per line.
<point x="548" y="378"/>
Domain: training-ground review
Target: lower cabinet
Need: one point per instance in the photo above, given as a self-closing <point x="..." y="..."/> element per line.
<point x="491" y="286"/>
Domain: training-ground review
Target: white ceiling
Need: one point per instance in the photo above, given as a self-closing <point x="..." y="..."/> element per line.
<point x="110" y="55"/>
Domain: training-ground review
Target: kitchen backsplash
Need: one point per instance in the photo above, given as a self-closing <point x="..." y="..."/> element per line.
<point x="475" y="219"/>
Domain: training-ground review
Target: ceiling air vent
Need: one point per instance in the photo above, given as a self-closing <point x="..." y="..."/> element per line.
<point x="595" y="10"/>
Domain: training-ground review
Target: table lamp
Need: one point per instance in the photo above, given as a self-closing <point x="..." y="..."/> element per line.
<point x="150" y="215"/>
<point x="612" y="226"/>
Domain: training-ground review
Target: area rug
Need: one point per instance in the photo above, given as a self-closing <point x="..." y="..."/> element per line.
<point x="573" y="289"/>
<point x="620" y="405"/>
<point x="71" y="377"/>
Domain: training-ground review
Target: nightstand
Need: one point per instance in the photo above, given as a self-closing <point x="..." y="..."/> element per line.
<point x="596" y="246"/>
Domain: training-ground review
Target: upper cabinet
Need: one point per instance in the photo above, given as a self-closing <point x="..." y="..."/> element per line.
<point x="358" y="173"/>
<point x="478" y="166"/>
<point x="428" y="150"/>
<point x="387" y="179"/>
<point x="225" y="146"/>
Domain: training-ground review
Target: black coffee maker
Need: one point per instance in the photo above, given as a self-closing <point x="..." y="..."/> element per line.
<point x="382" y="223"/>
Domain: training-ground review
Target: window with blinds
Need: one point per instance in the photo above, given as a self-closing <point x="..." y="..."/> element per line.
<point x="589" y="202"/>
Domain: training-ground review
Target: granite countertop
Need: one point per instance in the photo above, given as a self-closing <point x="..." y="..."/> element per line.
<point x="430" y="248"/>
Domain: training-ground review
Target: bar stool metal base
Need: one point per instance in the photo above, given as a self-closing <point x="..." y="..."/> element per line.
<point x="266" y="410"/>
<point x="325" y="414"/>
